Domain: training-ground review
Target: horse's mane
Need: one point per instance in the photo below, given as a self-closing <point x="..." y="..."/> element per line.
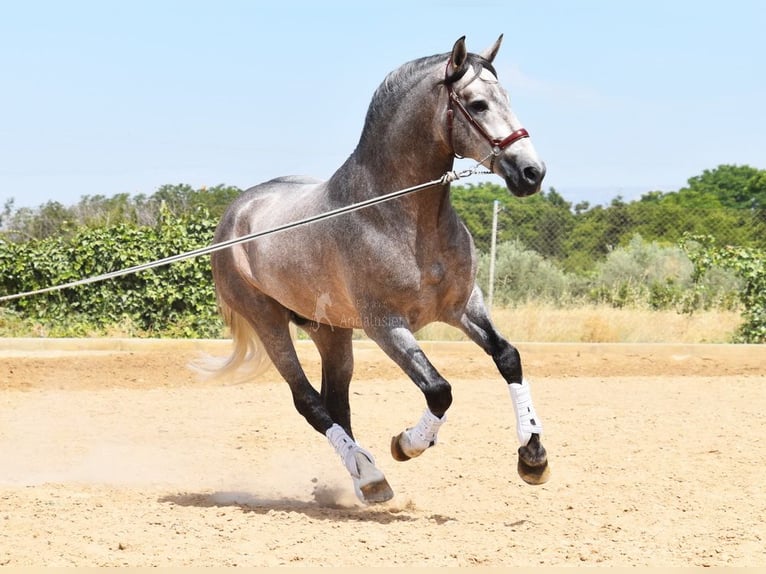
<point x="395" y="85"/>
<point x="400" y="82"/>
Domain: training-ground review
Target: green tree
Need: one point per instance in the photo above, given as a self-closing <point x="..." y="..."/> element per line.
<point x="540" y="222"/>
<point x="735" y="186"/>
<point x="54" y="219"/>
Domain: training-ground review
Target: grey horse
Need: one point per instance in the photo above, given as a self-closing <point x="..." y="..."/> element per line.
<point x="389" y="269"/>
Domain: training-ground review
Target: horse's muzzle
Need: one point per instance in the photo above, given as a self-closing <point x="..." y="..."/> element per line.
<point x="526" y="180"/>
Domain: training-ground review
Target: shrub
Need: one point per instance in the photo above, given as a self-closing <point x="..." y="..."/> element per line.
<point x="749" y="264"/>
<point x="522" y="275"/>
<point x="175" y="299"/>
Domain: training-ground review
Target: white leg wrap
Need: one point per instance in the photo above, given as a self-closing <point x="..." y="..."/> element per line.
<point x="360" y="465"/>
<point x="346" y="448"/>
<point x="423" y="435"/>
<point x="527" y="421"/>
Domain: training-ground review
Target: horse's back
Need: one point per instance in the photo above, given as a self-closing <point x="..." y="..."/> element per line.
<point x="272" y="202"/>
<point x="290" y="179"/>
<point x="286" y="185"/>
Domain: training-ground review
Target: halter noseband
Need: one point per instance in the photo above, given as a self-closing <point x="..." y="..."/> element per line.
<point x="498" y="144"/>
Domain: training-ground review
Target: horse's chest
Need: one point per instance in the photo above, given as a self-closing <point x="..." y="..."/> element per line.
<point x="434" y="274"/>
<point x="440" y="290"/>
<point x="445" y="282"/>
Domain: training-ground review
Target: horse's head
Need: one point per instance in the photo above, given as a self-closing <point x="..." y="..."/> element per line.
<point x="481" y="124"/>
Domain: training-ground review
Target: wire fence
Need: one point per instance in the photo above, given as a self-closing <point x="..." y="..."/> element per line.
<point x="621" y="255"/>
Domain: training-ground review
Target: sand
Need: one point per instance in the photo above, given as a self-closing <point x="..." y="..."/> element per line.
<point x="112" y="453"/>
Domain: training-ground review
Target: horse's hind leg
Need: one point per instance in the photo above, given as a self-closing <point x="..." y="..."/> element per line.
<point x="318" y="409"/>
<point x="269" y="322"/>
<point x="336" y="350"/>
<point x="475" y="322"/>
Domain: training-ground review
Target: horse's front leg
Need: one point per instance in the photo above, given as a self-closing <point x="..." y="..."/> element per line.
<point x="476" y="323"/>
<point x="398" y="342"/>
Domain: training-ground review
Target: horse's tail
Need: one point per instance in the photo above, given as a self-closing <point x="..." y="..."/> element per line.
<point x="248" y="358"/>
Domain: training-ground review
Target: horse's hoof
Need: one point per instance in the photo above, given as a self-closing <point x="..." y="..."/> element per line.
<point x="371" y="486"/>
<point x="376" y="492"/>
<point x="534" y="474"/>
<point x="396" y="449"/>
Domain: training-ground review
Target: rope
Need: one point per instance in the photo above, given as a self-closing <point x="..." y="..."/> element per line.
<point x="445" y="179"/>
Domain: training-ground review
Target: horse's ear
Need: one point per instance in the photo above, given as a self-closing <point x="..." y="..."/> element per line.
<point x="458" y="58"/>
<point x="491" y="52"/>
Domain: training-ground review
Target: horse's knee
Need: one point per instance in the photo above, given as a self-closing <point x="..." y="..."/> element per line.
<point x="439" y="397"/>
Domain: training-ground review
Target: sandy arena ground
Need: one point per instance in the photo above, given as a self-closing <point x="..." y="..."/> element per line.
<point x="112" y="454"/>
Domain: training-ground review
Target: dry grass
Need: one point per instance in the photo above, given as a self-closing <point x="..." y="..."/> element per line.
<point x="533" y="322"/>
<point x="602" y="324"/>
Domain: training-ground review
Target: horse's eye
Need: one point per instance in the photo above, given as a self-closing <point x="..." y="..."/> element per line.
<point x="479" y="106"/>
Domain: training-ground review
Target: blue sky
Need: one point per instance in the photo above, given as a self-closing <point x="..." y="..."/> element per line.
<point x="108" y="97"/>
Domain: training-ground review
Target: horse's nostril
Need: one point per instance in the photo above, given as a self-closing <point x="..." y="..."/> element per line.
<point x="533" y="174"/>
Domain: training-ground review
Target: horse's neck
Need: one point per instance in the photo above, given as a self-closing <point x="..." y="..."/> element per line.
<point x="387" y="163"/>
<point x="376" y="172"/>
<point x="400" y="148"/>
<point x="365" y="176"/>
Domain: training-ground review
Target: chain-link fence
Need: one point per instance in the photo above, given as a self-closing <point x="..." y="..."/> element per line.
<point x="622" y="254"/>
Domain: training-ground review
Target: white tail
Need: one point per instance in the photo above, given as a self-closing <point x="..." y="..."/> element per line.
<point x="248" y="359"/>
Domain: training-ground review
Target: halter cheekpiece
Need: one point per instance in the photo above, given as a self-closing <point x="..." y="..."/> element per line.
<point x="497" y="144"/>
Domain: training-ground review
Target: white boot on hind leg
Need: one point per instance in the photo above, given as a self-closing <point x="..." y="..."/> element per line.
<point x="414" y="441"/>
<point x="370" y="485"/>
